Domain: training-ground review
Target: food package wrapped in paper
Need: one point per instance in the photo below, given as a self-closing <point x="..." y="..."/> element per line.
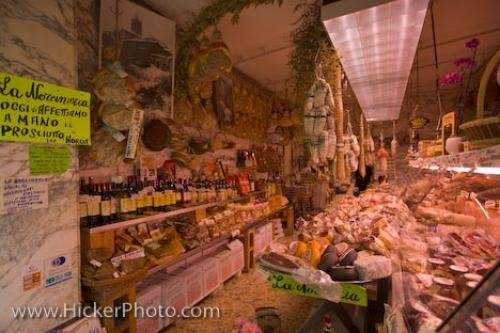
<point x="110" y="87"/>
<point x="373" y="267"/>
<point x="355" y="145"/>
<point x="436" y="215"/>
<point x="116" y="116"/>
<point x="331" y="144"/>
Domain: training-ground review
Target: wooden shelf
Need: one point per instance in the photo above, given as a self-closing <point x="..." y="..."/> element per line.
<point x="155" y="216"/>
<point x="214" y="242"/>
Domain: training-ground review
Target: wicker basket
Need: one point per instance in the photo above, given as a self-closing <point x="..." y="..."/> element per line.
<point x="483" y="132"/>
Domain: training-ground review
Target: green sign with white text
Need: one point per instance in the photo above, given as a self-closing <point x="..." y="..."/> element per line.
<point x="40" y="112"/>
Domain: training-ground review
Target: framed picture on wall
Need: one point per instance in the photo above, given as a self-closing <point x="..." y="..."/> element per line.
<point x="144" y="44"/>
<point x="224" y="100"/>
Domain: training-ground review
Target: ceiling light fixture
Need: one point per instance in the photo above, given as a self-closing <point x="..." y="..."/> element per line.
<point x="377" y="40"/>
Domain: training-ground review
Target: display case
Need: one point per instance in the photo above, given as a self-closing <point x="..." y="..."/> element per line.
<point x="452" y="284"/>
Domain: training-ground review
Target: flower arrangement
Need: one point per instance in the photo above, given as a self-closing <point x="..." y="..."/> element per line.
<point x="244" y="325"/>
<point x="463" y="76"/>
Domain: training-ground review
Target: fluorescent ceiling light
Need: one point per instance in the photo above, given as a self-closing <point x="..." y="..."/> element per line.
<point x="377" y="40"/>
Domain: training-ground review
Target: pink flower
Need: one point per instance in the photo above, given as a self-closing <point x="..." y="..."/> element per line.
<point x="465" y="62"/>
<point x="450" y="79"/>
<point x="243" y="325"/>
<point x="472" y="44"/>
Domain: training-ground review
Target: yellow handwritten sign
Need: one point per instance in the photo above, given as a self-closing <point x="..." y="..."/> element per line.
<point x="40" y="112"/>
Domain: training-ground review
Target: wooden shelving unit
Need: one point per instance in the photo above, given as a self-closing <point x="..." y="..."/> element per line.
<point x="155" y="216"/>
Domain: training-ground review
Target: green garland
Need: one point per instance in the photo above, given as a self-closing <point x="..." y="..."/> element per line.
<point x="208" y="16"/>
<point x="308" y="38"/>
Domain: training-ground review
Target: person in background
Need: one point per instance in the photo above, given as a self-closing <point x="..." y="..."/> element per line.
<point x="361" y="182"/>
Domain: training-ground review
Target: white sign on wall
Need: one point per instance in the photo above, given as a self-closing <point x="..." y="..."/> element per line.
<point x="23" y="193"/>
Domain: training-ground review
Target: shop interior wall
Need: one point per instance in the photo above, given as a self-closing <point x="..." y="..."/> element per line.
<point x="37" y="40"/>
<point x="102" y="160"/>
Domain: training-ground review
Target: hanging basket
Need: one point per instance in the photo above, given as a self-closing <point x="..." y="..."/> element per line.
<point x="483" y="132"/>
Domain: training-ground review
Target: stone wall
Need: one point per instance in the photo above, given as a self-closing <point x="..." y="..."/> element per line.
<point x="37" y="40"/>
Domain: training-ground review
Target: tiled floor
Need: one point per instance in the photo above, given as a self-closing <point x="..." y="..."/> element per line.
<point x="240" y="296"/>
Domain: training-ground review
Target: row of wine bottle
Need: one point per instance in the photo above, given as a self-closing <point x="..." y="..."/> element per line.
<point x="105" y="203"/>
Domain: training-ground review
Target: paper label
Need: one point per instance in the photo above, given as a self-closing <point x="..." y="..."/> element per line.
<point x="148" y="166"/>
<point x="32" y="276"/>
<point x="40" y="112"/>
<point x="45" y="160"/>
<point x="134" y="133"/>
<point x="106" y="208"/>
<point x="116" y="261"/>
<point x="351" y="293"/>
<point x="23" y="193"/>
<point x="57" y="270"/>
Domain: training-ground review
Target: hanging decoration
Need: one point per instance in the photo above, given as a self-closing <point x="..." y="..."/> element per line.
<point x="394" y="142"/>
<point x="351" y="146"/>
<point x="382" y="155"/>
<point x="318" y="118"/>
<point x="370" y="147"/>
<point x="418" y="122"/>
<point x="209" y="16"/>
<point x="309" y="36"/>
<point x="362" y="160"/>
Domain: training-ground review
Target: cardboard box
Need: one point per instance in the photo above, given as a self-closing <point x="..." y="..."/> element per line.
<point x="149" y="296"/>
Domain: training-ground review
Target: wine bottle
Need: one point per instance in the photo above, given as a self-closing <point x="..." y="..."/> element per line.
<point x="141" y="197"/>
<point x="172" y="192"/>
<point x="179" y="192"/>
<point x="132" y="194"/>
<point x="105" y="205"/>
<point x="185" y="193"/>
<point x="149" y="196"/>
<point x="115" y="204"/>
<point x="157" y="197"/>
<point x="94" y="205"/>
<point x="124" y="201"/>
